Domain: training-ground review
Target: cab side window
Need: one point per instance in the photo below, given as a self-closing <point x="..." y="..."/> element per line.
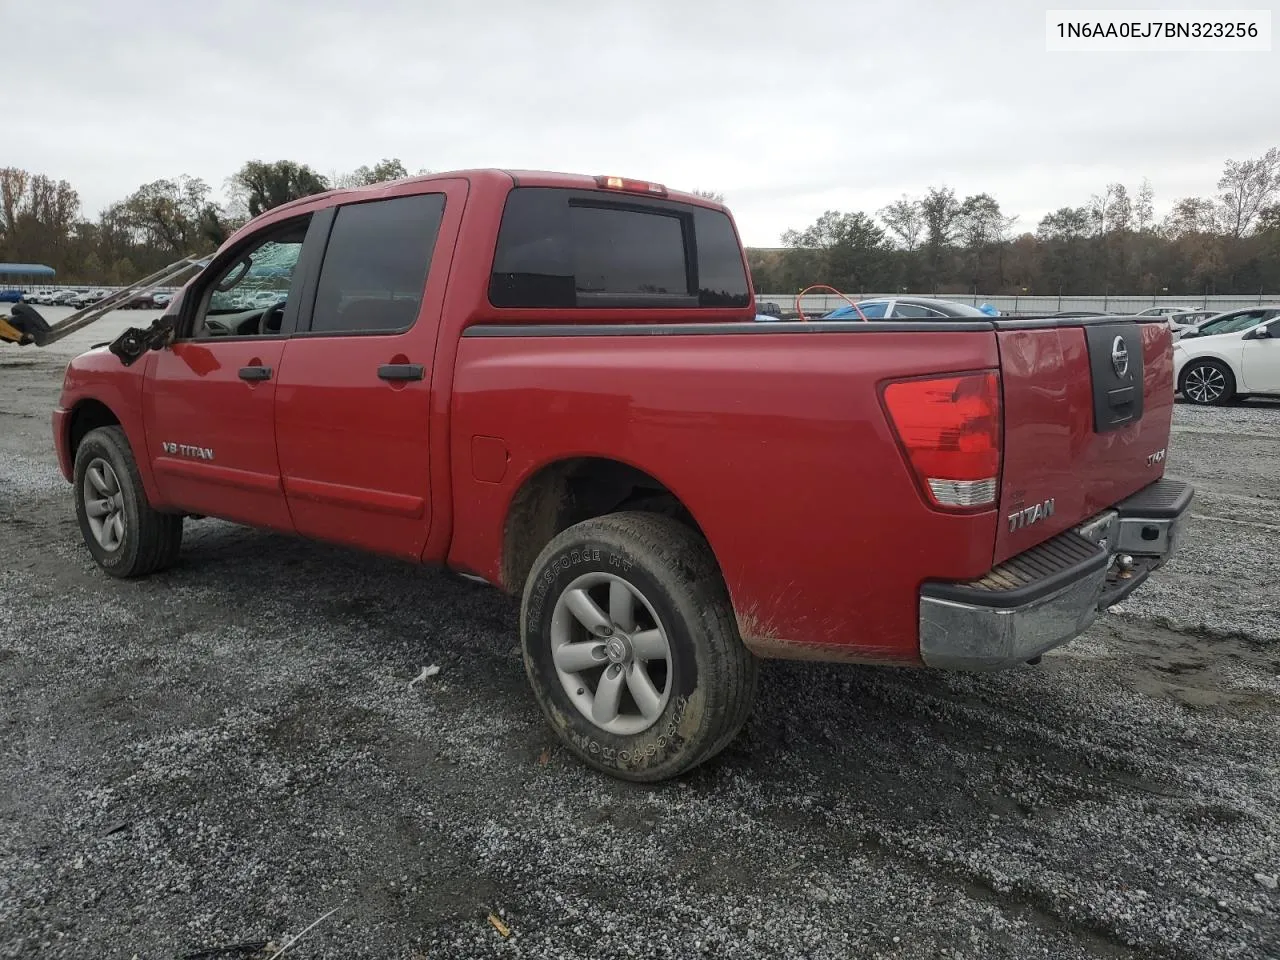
<point x="247" y="296"/>
<point x="376" y="264"/>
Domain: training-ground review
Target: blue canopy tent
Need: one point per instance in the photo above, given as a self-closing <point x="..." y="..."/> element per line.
<point x="21" y="274"/>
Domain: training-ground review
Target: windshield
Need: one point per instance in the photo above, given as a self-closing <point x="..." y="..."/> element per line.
<point x="261" y="278"/>
<point x="1232" y="324"/>
<point x="871" y="309"/>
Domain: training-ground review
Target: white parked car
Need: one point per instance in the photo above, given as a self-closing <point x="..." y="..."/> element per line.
<point x="1235" y="354"/>
<point x="1161" y="311"/>
<point x="1180" y="323"/>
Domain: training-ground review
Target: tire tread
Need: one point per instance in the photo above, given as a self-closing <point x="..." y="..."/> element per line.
<point x="159" y="534"/>
<point x="671" y="546"/>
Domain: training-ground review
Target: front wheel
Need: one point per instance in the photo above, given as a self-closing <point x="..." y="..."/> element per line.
<point x="1208" y="383"/>
<point x="125" y="534"/>
<point x="631" y="646"/>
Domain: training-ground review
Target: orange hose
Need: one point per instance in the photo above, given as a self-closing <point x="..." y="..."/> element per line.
<point x="822" y="286"/>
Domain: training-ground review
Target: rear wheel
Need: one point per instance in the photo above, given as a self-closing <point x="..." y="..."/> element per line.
<point x="631" y="646"/>
<point x="1208" y="383"/>
<point x="125" y="534"/>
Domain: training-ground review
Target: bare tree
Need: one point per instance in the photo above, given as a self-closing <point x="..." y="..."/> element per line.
<point x="1120" y="216"/>
<point x="37" y="216"/>
<point x="1269" y="219"/>
<point x="1191" y="215"/>
<point x="940" y="210"/>
<point x="905" y="220"/>
<point x="981" y="225"/>
<point x="1112" y="210"/>
<point x="1247" y="186"/>
<point x="1144" y="211"/>
<point x="981" y="221"/>
<point x="1065" y="223"/>
<point x="711" y="195"/>
<point x="380" y="172"/>
<point x="259" y="186"/>
<point x="849" y="248"/>
<point x="166" y="214"/>
<point x="13" y="190"/>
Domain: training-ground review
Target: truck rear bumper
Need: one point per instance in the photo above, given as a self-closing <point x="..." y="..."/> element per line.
<point x="1050" y="594"/>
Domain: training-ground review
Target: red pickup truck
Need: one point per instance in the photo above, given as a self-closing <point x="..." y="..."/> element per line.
<point x="555" y="384"/>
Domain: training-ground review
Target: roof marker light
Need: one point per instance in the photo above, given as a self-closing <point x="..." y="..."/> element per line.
<point x="631" y="186"/>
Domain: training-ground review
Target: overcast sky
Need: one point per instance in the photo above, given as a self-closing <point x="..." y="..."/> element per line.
<point x="788" y="107"/>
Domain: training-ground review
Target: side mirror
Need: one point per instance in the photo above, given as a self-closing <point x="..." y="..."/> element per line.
<point x="135" y="341"/>
<point x="1260" y="332"/>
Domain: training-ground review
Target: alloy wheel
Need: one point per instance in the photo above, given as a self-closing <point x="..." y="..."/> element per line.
<point x="611" y="653"/>
<point x="104" y="504"/>
<point x="1205" y="383"/>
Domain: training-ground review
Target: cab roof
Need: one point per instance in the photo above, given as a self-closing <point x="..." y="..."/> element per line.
<point x="493" y="175"/>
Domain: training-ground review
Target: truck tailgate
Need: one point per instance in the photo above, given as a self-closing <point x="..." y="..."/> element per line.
<point x="1087" y="408"/>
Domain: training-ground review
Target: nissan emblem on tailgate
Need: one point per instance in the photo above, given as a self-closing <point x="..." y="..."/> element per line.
<point x="1119" y="357"/>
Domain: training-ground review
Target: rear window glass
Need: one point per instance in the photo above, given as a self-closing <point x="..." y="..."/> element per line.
<point x="565" y="248"/>
<point x="627" y="252"/>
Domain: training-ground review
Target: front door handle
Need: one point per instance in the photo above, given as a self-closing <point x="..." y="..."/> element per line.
<point x="401" y="371"/>
<point x="255" y="373"/>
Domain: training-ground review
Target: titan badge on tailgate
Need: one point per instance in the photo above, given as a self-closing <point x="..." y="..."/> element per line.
<point x="1115" y="363"/>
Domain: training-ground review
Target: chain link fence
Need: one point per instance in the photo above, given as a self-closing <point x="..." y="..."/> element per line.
<point x="818" y="304"/>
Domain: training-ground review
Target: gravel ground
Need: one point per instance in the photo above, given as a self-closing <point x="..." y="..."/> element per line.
<point x="227" y="752"/>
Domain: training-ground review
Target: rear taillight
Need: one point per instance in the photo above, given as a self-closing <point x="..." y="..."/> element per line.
<point x="950" y="430"/>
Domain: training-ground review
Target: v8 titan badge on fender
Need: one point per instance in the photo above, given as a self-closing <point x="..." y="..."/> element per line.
<point x="186" y="450"/>
<point x="1116" y="368"/>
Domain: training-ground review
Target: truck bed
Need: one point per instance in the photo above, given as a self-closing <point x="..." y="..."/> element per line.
<point x="775" y="438"/>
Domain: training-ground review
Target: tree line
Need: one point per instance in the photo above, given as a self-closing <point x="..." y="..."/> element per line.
<point x="1227" y="243"/>
<point x="41" y="220"/>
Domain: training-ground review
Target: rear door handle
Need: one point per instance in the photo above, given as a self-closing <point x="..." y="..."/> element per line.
<point x="401" y="371"/>
<point x="255" y="373"/>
